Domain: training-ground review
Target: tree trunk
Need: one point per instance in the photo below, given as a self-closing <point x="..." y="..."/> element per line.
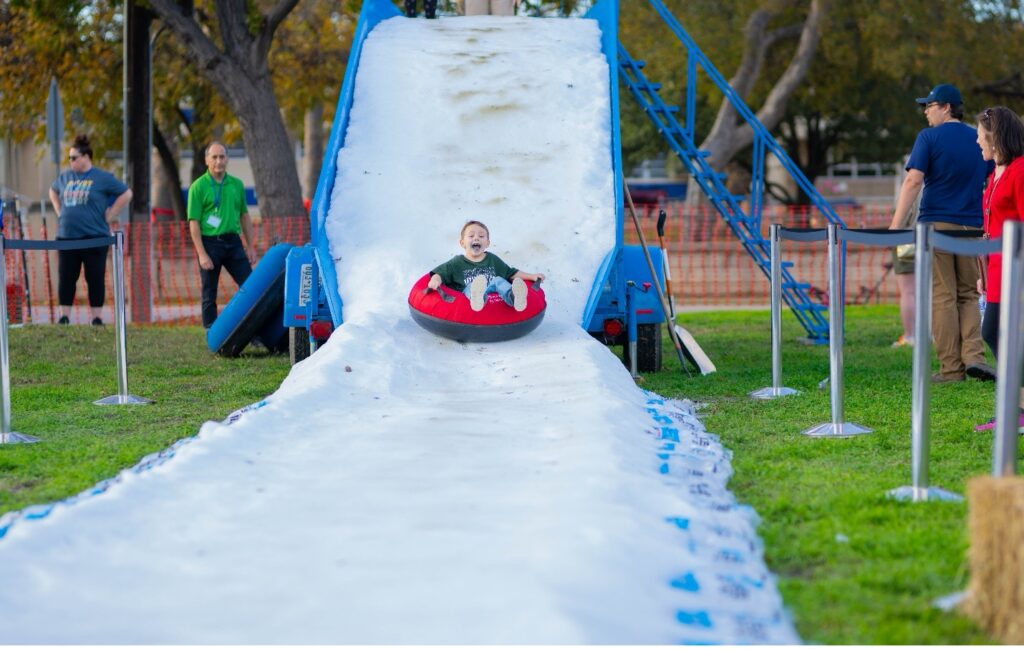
<point x="167" y="181"/>
<point x="269" y="150"/>
<point x="313" y="148"/>
<point x="240" y="74"/>
<point x="730" y="135"/>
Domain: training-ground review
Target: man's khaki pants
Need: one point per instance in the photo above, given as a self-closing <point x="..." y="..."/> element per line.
<point x="490" y="7"/>
<point x="956" y="320"/>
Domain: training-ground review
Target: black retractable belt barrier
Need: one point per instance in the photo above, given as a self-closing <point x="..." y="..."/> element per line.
<point x="123" y="397"/>
<point x="1004" y="450"/>
<point x="59" y="244"/>
<point x="927" y="240"/>
<point x="806" y="235"/>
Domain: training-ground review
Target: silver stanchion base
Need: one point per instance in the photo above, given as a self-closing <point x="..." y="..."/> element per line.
<point x="122" y="400"/>
<point x="772" y="393"/>
<point x="845" y="429"/>
<point x="922" y="494"/>
<point x="17" y="438"/>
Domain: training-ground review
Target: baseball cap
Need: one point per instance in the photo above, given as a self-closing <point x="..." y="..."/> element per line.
<point x="944" y="93"/>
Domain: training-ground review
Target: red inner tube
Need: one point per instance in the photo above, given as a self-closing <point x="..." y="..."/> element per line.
<point x="494" y="313"/>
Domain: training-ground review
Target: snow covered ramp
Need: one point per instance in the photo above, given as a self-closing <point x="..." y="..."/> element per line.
<point x="400" y="488"/>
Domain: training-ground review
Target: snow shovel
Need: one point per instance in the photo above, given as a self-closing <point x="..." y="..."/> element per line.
<point x="689" y="343"/>
<point x="682" y="353"/>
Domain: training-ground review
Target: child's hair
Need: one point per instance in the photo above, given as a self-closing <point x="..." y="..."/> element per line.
<point x="81" y="144"/>
<point x="469" y="223"/>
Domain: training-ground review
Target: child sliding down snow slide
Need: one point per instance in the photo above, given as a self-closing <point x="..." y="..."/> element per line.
<point x="478" y="273"/>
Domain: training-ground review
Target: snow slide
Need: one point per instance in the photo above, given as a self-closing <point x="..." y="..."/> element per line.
<point x="400" y="488"/>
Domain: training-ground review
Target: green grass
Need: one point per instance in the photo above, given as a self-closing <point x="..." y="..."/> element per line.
<point x="854" y="567"/>
<point x="876" y="586"/>
<point x="57" y="373"/>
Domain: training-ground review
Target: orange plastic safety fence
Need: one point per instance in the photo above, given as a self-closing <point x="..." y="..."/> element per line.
<point x="710" y="267"/>
<point x="173" y="270"/>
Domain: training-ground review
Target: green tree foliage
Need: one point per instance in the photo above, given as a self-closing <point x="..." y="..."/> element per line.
<point x="78" y="43"/>
<point x="315" y="38"/>
<point x="857" y="101"/>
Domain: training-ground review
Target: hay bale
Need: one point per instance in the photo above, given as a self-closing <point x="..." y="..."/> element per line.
<point x="995" y="596"/>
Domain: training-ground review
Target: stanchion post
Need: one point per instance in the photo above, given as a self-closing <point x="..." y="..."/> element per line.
<point x="920" y="418"/>
<point x="1004" y="450"/>
<point x="122" y="397"/>
<point x="837" y="427"/>
<point x="776" y="389"/>
<point x="631" y="329"/>
<point x="7" y="436"/>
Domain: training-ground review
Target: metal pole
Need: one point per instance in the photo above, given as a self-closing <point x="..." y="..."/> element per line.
<point x="1004" y="455"/>
<point x="7" y="436"/>
<point x="657" y="284"/>
<point x="776" y="390"/>
<point x="920" y="420"/>
<point x="122" y="348"/>
<point x="631" y="329"/>
<point x="921" y="398"/>
<point x="837" y="427"/>
<point x="125" y="92"/>
<point x="122" y="397"/>
<point x="835" y="325"/>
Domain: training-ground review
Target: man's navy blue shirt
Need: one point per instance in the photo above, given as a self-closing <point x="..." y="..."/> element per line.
<point x="954" y="174"/>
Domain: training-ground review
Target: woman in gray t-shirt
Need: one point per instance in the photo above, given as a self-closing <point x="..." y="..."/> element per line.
<point x="87" y="201"/>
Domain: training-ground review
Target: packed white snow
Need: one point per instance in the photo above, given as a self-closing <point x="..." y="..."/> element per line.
<point x="401" y="488"/>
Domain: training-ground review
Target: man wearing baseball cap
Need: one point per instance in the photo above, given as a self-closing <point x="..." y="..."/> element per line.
<point x="947" y="163"/>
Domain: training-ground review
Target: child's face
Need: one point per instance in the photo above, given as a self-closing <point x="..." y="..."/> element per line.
<point x="475" y="242"/>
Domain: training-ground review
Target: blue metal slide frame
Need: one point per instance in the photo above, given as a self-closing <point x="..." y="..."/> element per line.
<point x="603" y="291"/>
<point x="606" y="13"/>
<point x="373" y="12"/>
<point x="682" y="138"/>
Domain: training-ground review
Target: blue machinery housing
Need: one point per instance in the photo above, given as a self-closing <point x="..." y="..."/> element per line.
<point x="619" y="306"/>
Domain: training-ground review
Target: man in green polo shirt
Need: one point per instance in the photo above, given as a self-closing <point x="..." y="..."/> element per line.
<point x="217" y="215"/>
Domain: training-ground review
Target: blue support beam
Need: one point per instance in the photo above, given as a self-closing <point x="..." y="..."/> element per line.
<point x="682" y="140"/>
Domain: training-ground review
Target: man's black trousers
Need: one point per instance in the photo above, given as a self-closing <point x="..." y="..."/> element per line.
<point x="226" y="251"/>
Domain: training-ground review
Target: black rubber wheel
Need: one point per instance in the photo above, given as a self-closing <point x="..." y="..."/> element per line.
<point x="298" y="344"/>
<point x="648" y="348"/>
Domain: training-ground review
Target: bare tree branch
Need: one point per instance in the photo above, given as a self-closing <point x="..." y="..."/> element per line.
<point x="240" y="74"/>
<point x="203" y="50"/>
<point x="727" y="137"/>
<point x="753" y="52"/>
<point x="231" y="20"/>
<point x="775" y="105"/>
<point x="1012" y="86"/>
<point x="271" y="21"/>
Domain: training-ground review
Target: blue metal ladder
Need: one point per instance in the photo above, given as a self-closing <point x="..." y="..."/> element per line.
<point x="681" y="137"/>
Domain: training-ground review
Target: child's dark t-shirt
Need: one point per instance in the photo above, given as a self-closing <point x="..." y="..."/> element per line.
<point x="458" y="272"/>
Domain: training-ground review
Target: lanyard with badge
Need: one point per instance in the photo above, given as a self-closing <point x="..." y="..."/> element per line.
<point x="213" y="220"/>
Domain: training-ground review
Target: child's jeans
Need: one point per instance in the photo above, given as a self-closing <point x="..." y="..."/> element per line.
<point x="498" y="285"/>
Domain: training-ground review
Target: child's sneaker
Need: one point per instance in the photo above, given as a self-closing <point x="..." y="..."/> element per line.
<point x="519" y="294"/>
<point x="476" y="292"/>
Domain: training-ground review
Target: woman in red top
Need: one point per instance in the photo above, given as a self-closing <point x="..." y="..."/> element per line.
<point x="1001" y="138"/>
